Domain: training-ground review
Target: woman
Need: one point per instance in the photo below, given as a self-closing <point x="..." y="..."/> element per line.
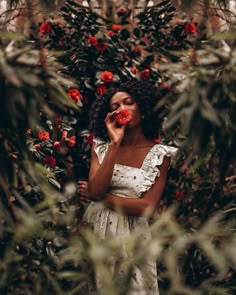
<point x="127" y="174"/>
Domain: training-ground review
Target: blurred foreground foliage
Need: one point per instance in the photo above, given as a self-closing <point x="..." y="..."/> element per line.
<point x="44" y="140"/>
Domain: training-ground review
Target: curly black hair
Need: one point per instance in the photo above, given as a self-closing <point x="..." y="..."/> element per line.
<point x="146" y="96"/>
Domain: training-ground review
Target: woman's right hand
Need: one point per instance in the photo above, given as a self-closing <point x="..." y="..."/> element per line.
<point x="115" y="132"/>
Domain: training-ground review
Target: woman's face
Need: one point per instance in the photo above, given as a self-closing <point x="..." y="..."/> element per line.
<point x="122" y="100"/>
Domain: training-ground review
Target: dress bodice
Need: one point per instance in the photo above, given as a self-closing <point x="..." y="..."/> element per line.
<point x="130" y="181"/>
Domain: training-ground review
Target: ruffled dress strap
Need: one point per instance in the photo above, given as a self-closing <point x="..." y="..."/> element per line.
<point x="152" y="162"/>
<point x="100" y="148"/>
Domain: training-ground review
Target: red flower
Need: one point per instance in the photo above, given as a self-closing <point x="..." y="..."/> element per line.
<point x="74" y="95"/>
<point x="121" y="11"/>
<point x="116" y="28"/>
<point x="60" y="43"/>
<point x="110" y="33"/>
<point x="107" y="76"/>
<point x="157" y="140"/>
<point x="56" y="144"/>
<point x="179" y="195"/>
<point x="166" y="85"/>
<point x="89" y="138"/>
<point x="64" y="134"/>
<point x="101" y="89"/>
<point x="43" y="135"/>
<point x="59" y="119"/>
<point x="134" y="70"/>
<point x="45" y="28"/>
<point x="123" y="117"/>
<point x="50" y="161"/>
<point x="138" y="50"/>
<point x="190" y="28"/>
<point x="101" y="47"/>
<point x="37" y="145"/>
<point x="145" y="74"/>
<point x="71" y="141"/>
<point x="93" y="41"/>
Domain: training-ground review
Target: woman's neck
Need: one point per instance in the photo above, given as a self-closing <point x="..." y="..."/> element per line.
<point x="134" y="137"/>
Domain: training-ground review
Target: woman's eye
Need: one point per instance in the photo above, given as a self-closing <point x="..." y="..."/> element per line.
<point x="129" y="101"/>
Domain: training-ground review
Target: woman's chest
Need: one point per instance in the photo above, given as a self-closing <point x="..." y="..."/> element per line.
<point x="132" y="157"/>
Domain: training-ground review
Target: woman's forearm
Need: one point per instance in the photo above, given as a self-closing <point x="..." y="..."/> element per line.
<point x="100" y="181"/>
<point x="130" y="206"/>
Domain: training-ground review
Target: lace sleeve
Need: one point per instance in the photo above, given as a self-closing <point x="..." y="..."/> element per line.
<point x="153" y="161"/>
<point x="100" y="148"/>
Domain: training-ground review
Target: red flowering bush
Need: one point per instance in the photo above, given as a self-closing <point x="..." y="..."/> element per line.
<point x="45" y="28"/>
<point x="74" y="95"/>
<point x="123" y="116"/>
<point x="107" y="76"/>
<point x="190" y="28"/>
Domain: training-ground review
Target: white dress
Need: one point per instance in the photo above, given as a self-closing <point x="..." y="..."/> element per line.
<point x="128" y="182"/>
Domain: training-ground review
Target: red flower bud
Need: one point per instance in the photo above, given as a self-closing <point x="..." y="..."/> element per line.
<point x="45" y="28"/>
<point x="89" y="138"/>
<point x="145" y="74"/>
<point x="93" y="41"/>
<point x="190" y="28"/>
<point x="101" y="47"/>
<point x="179" y="195"/>
<point x="116" y="27"/>
<point x="101" y="89"/>
<point x="107" y="76"/>
<point x="56" y="144"/>
<point x="74" y="95"/>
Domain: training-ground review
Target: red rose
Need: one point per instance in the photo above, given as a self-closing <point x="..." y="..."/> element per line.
<point x="179" y="195"/>
<point x="45" y="28"/>
<point x="107" y="76"/>
<point x="89" y="138"/>
<point x="101" y="89"/>
<point x="145" y="74"/>
<point x="74" y="95"/>
<point x="50" y="161"/>
<point x="37" y="145"/>
<point x="116" y="28"/>
<point x="121" y="11"/>
<point x="43" y="135"/>
<point x="190" y="28"/>
<point x="101" y="47"/>
<point x="110" y="33"/>
<point x="123" y="116"/>
<point x="93" y="41"/>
